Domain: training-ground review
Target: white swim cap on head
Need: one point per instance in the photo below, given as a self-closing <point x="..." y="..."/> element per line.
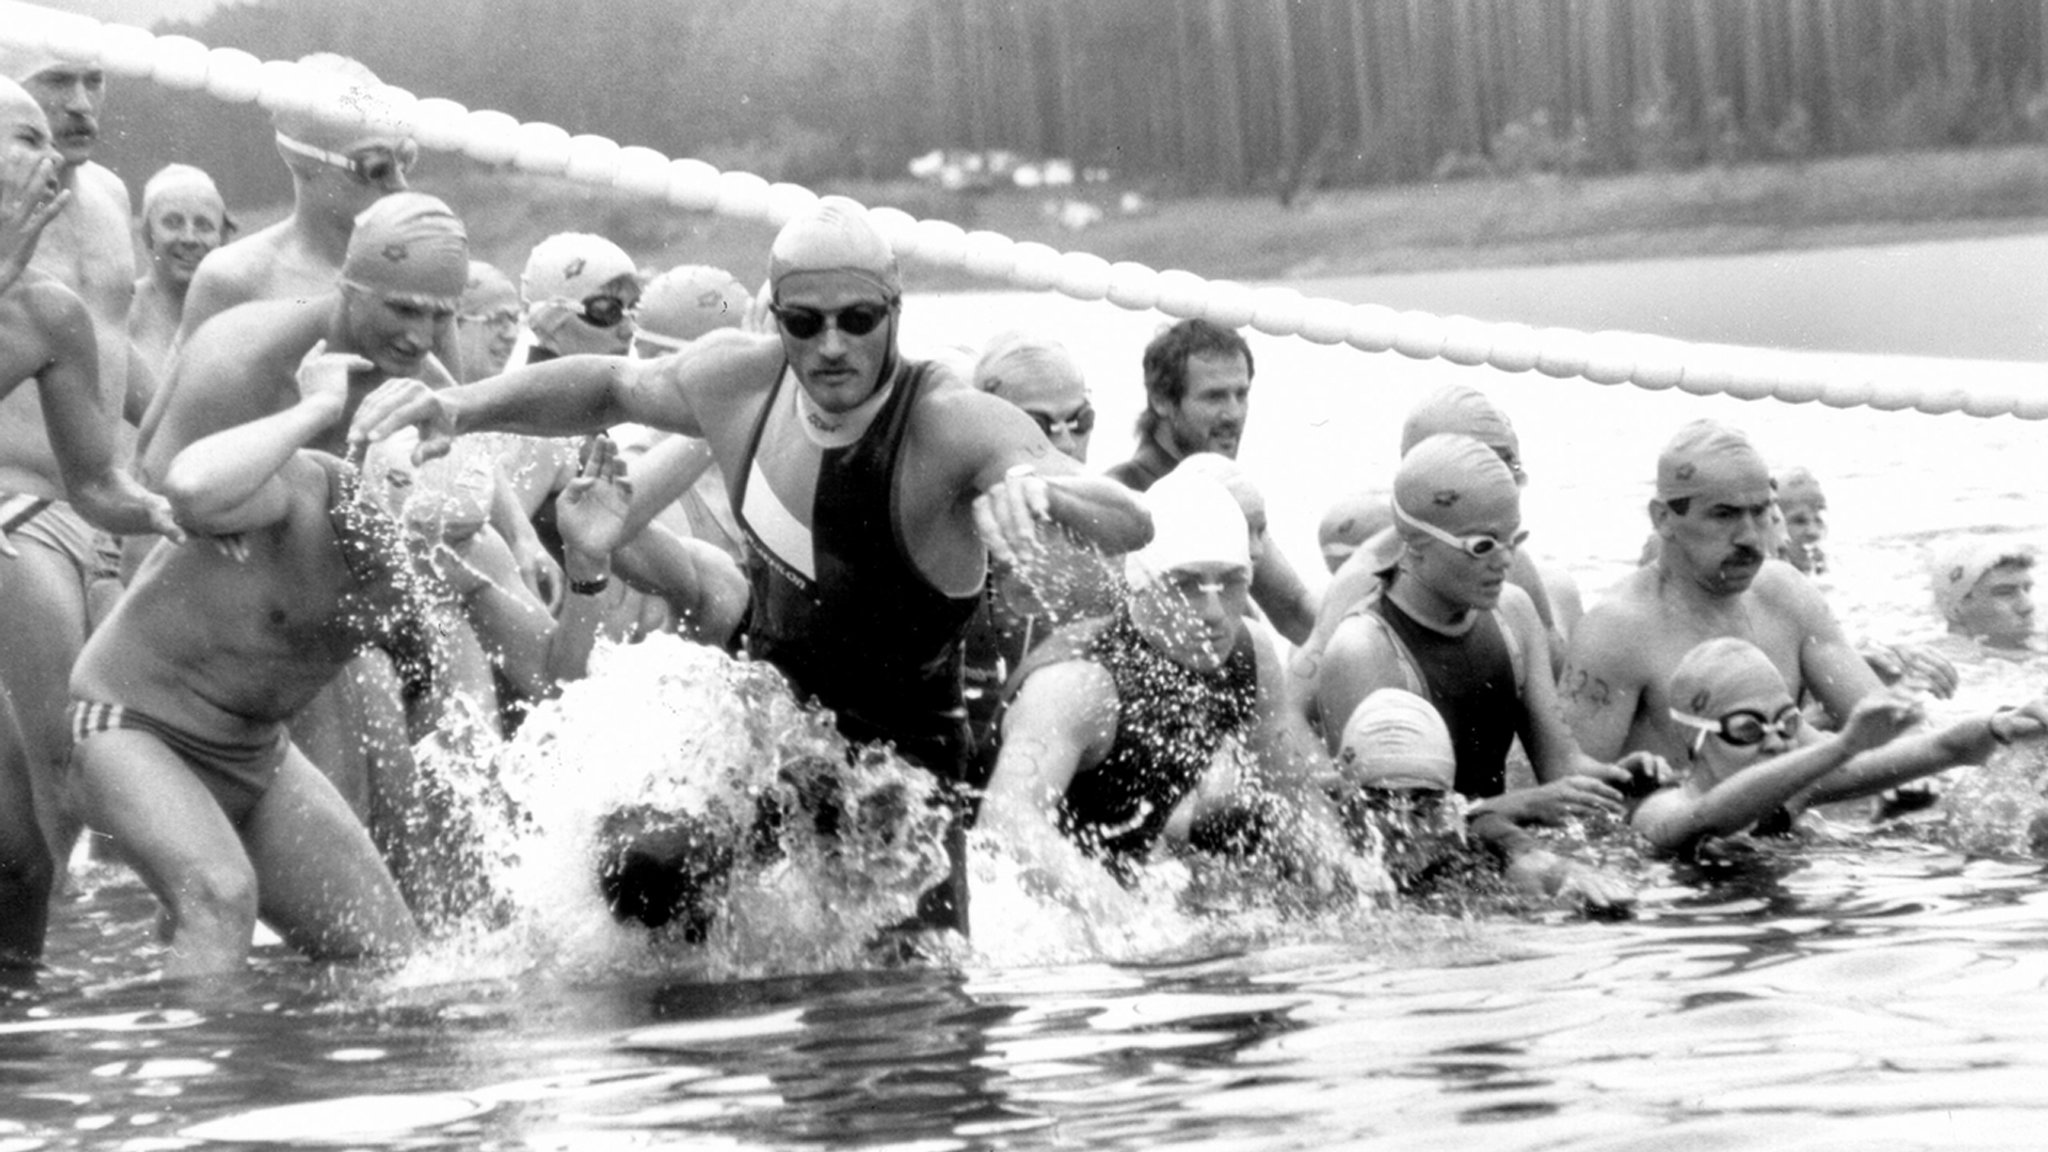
<point x="687" y="301"/>
<point x="1195" y="520"/>
<point x="1232" y="476"/>
<point x="834" y="236"/>
<point x="1799" y="488"/>
<point x="1705" y="454"/>
<point x="1718" y="674"/>
<point x="1463" y="411"/>
<point x="409" y="246"/>
<point x="1959" y="564"/>
<point x="1017" y="359"/>
<point x="1396" y="739"/>
<point x="1449" y="481"/>
<point x="174" y="178"/>
<point x="362" y="107"/>
<point x="486" y="281"/>
<point x="572" y="266"/>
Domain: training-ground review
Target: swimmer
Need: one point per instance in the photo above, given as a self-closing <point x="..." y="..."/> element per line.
<point x="393" y="301"/>
<point x="1040" y="377"/>
<point x="56" y="496"/>
<point x="1115" y="723"/>
<point x="1711" y="578"/>
<point x="1984" y="590"/>
<point x="1747" y="759"/>
<point x="1397" y="774"/>
<point x="488" y="324"/>
<point x="862" y="480"/>
<point x="1349" y="522"/>
<point x="180" y="698"/>
<point x="1805" y="507"/>
<point x="1446" y="624"/>
<point x="183" y="219"/>
<point x="686" y="303"/>
<point x="338" y="169"/>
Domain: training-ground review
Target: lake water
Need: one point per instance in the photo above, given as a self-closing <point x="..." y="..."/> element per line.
<point x="1892" y="993"/>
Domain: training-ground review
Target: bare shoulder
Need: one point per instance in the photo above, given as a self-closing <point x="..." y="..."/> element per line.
<point x="1786" y="591"/>
<point x="1519" y="609"/>
<point x="727" y="362"/>
<point x="101" y="182"/>
<point x="1077" y="695"/>
<point x="252" y="328"/>
<point x="1610" y="637"/>
<point x="49" y="305"/>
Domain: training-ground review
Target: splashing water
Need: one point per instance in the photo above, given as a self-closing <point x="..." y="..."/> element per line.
<point x="788" y="855"/>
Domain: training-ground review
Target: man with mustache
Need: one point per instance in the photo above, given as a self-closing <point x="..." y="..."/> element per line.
<point x="1711" y="578"/>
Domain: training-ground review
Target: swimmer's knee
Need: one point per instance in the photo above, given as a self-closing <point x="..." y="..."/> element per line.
<point x="224" y="893"/>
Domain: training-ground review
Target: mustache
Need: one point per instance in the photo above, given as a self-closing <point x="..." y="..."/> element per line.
<point x="1745" y="554"/>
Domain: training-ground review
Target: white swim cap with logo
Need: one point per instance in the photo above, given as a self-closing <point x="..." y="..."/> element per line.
<point x="409" y="246"/>
<point x="1195" y="520"/>
<point x="1396" y="739"/>
<point x="835" y="237"/>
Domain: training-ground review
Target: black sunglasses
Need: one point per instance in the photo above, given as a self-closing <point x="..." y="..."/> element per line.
<point x="602" y="311"/>
<point x="1080" y="422"/>
<point x="808" y="323"/>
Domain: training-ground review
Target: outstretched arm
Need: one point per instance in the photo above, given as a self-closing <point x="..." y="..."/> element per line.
<point x="1675" y="818"/>
<point x="81" y="430"/>
<point x="230" y="481"/>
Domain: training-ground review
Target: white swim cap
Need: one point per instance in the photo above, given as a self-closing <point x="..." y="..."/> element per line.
<point x="570" y="267"/>
<point x="1396" y="739"/>
<point x="1195" y="520"/>
<point x="1960" y="564"/>
<point x="409" y="246"/>
<point x="834" y="237"/>
<point x="1706" y="455"/>
<point x="687" y="301"/>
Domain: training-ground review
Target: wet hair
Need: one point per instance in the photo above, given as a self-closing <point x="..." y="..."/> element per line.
<point x="1166" y="363"/>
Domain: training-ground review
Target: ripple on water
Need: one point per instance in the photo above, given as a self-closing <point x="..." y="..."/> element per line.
<point x="1859" y="971"/>
<point x="345" y="1120"/>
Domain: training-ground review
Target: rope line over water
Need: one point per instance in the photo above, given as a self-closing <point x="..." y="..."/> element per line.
<point x="494" y="138"/>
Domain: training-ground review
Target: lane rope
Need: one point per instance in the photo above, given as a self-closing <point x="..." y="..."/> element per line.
<point x="1984" y="389"/>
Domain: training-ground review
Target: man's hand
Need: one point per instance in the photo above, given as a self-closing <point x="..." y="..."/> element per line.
<point x="400" y="404"/>
<point x="1006" y="516"/>
<point x="1912" y="666"/>
<point x="591" y="511"/>
<point x="1558" y="801"/>
<point x="25" y="210"/>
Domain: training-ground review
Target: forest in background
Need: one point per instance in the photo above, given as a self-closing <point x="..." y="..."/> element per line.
<point x="1177" y="96"/>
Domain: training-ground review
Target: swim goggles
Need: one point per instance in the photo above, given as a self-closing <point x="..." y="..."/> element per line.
<point x="808" y="323"/>
<point x="371" y="164"/>
<point x="504" y="319"/>
<point x="1479" y="544"/>
<point x="1192" y="584"/>
<point x="602" y="310"/>
<point x="1747" y="726"/>
<point x="1079" y="422"/>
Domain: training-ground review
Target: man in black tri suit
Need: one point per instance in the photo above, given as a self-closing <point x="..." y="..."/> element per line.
<point x="872" y="489"/>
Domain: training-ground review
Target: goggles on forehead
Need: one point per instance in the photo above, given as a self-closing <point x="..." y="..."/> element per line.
<point x="1079" y="422"/>
<point x="809" y="323"/>
<point x="1745" y="727"/>
<point x="1479" y="544"/>
<point x="370" y="164"/>
<point x="503" y="319"/>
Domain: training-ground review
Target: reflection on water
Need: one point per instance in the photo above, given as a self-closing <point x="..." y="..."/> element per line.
<point x="1886" y="993"/>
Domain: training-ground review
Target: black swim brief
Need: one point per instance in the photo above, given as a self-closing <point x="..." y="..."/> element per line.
<point x="238" y="774"/>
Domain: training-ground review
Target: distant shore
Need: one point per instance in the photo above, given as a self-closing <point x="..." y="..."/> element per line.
<point x="1476" y="223"/>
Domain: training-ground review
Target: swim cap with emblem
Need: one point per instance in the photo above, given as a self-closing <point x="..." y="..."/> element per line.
<point x="834" y="237"/>
<point x="687" y="301"/>
<point x="570" y="267"/>
<point x="361" y="108"/>
<point x="1719" y="675"/>
<point x="409" y="247"/>
<point x="1016" y="360"/>
<point x="1960" y="564"/>
<point x="1396" y="739"/>
<point x="1460" y="410"/>
<point x="1455" y="483"/>
<point x="1706" y="455"/>
<point x="1195" y="520"/>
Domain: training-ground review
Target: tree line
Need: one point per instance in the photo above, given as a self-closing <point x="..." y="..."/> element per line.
<point x="1222" y="95"/>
